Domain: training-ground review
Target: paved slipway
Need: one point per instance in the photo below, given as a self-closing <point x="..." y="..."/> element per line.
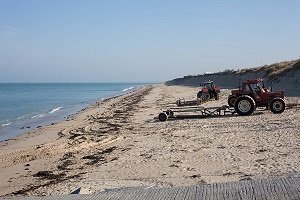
<point x="267" y="189"/>
<point x="118" y="143"/>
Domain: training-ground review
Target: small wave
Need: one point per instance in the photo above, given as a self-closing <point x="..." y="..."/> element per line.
<point x="130" y="88"/>
<point x="7" y="124"/>
<point x="22" y="117"/>
<point x="56" y="109"/>
<point x="38" y="115"/>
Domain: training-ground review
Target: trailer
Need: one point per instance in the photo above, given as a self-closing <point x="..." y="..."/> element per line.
<point x="172" y="112"/>
<point x="200" y="111"/>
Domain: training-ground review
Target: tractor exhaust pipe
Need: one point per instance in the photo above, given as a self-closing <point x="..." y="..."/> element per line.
<point x="271" y="86"/>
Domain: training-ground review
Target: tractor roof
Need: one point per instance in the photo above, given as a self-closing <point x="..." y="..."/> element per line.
<point x="207" y="82"/>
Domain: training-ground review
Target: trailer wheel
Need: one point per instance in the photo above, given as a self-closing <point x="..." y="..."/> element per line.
<point x="162" y="117"/>
<point x="231" y="100"/>
<point x="244" y="105"/>
<point x="277" y="105"/>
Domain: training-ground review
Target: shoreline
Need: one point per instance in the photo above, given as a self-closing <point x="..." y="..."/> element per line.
<point x="45" y="136"/>
<point x="35" y="122"/>
<point x="67" y="115"/>
<point x="119" y="143"/>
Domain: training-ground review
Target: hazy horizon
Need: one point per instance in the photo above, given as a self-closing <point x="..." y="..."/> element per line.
<point x="111" y="82"/>
<point x="74" y="41"/>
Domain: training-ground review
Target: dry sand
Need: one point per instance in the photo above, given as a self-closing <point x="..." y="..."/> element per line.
<point x="118" y="143"/>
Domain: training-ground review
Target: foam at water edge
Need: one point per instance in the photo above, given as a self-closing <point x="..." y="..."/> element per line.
<point x="7" y="124"/>
<point x="130" y="88"/>
<point x="56" y="109"/>
<point x="38" y="115"/>
<point x="23" y="116"/>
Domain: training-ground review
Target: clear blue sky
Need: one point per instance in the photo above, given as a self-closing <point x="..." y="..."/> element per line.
<point x="141" y="40"/>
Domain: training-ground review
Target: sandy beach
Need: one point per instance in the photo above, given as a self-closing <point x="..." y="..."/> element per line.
<point x="119" y="142"/>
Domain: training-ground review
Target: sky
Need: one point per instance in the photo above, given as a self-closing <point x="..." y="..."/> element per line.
<point x="142" y="40"/>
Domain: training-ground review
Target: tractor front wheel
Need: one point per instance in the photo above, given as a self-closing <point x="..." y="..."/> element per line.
<point x="277" y="105"/>
<point x="244" y="105"/>
<point x="231" y="100"/>
<point x="199" y="94"/>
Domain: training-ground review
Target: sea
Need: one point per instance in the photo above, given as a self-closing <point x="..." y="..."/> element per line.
<point x="25" y="106"/>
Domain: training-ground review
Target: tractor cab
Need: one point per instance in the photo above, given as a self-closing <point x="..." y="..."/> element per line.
<point x="253" y="88"/>
<point x="208" y="84"/>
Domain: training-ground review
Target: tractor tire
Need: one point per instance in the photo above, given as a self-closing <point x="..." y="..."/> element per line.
<point x="162" y="117"/>
<point x="231" y="100"/>
<point x="244" y="105"/>
<point x="205" y="97"/>
<point x="199" y="94"/>
<point x="277" y="105"/>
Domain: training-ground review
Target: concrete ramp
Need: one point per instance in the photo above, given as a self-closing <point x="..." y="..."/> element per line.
<point x="282" y="188"/>
<point x="274" y="188"/>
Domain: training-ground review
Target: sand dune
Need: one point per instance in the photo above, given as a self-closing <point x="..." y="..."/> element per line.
<point x="282" y="76"/>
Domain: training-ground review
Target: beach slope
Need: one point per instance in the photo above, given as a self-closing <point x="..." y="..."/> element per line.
<point x="120" y="143"/>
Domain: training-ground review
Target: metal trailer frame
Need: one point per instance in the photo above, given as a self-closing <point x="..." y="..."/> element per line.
<point x="197" y="102"/>
<point x="295" y="105"/>
<point x="202" y="111"/>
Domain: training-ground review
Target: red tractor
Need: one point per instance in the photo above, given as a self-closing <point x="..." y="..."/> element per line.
<point x="209" y="91"/>
<point x="253" y="94"/>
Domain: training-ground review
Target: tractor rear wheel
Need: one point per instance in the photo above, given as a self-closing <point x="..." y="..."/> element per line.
<point x="205" y="96"/>
<point x="244" y="105"/>
<point x="217" y="97"/>
<point x="277" y="105"/>
<point x="231" y="100"/>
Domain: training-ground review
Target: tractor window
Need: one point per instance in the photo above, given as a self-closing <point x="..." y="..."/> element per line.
<point x="255" y="87"/>
<point x="247" y="88"/>
<point x="208" y="86"/>
<point x="260" y="86"/>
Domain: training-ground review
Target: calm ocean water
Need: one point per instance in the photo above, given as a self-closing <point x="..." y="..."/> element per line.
<point x="24" y="106"/>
